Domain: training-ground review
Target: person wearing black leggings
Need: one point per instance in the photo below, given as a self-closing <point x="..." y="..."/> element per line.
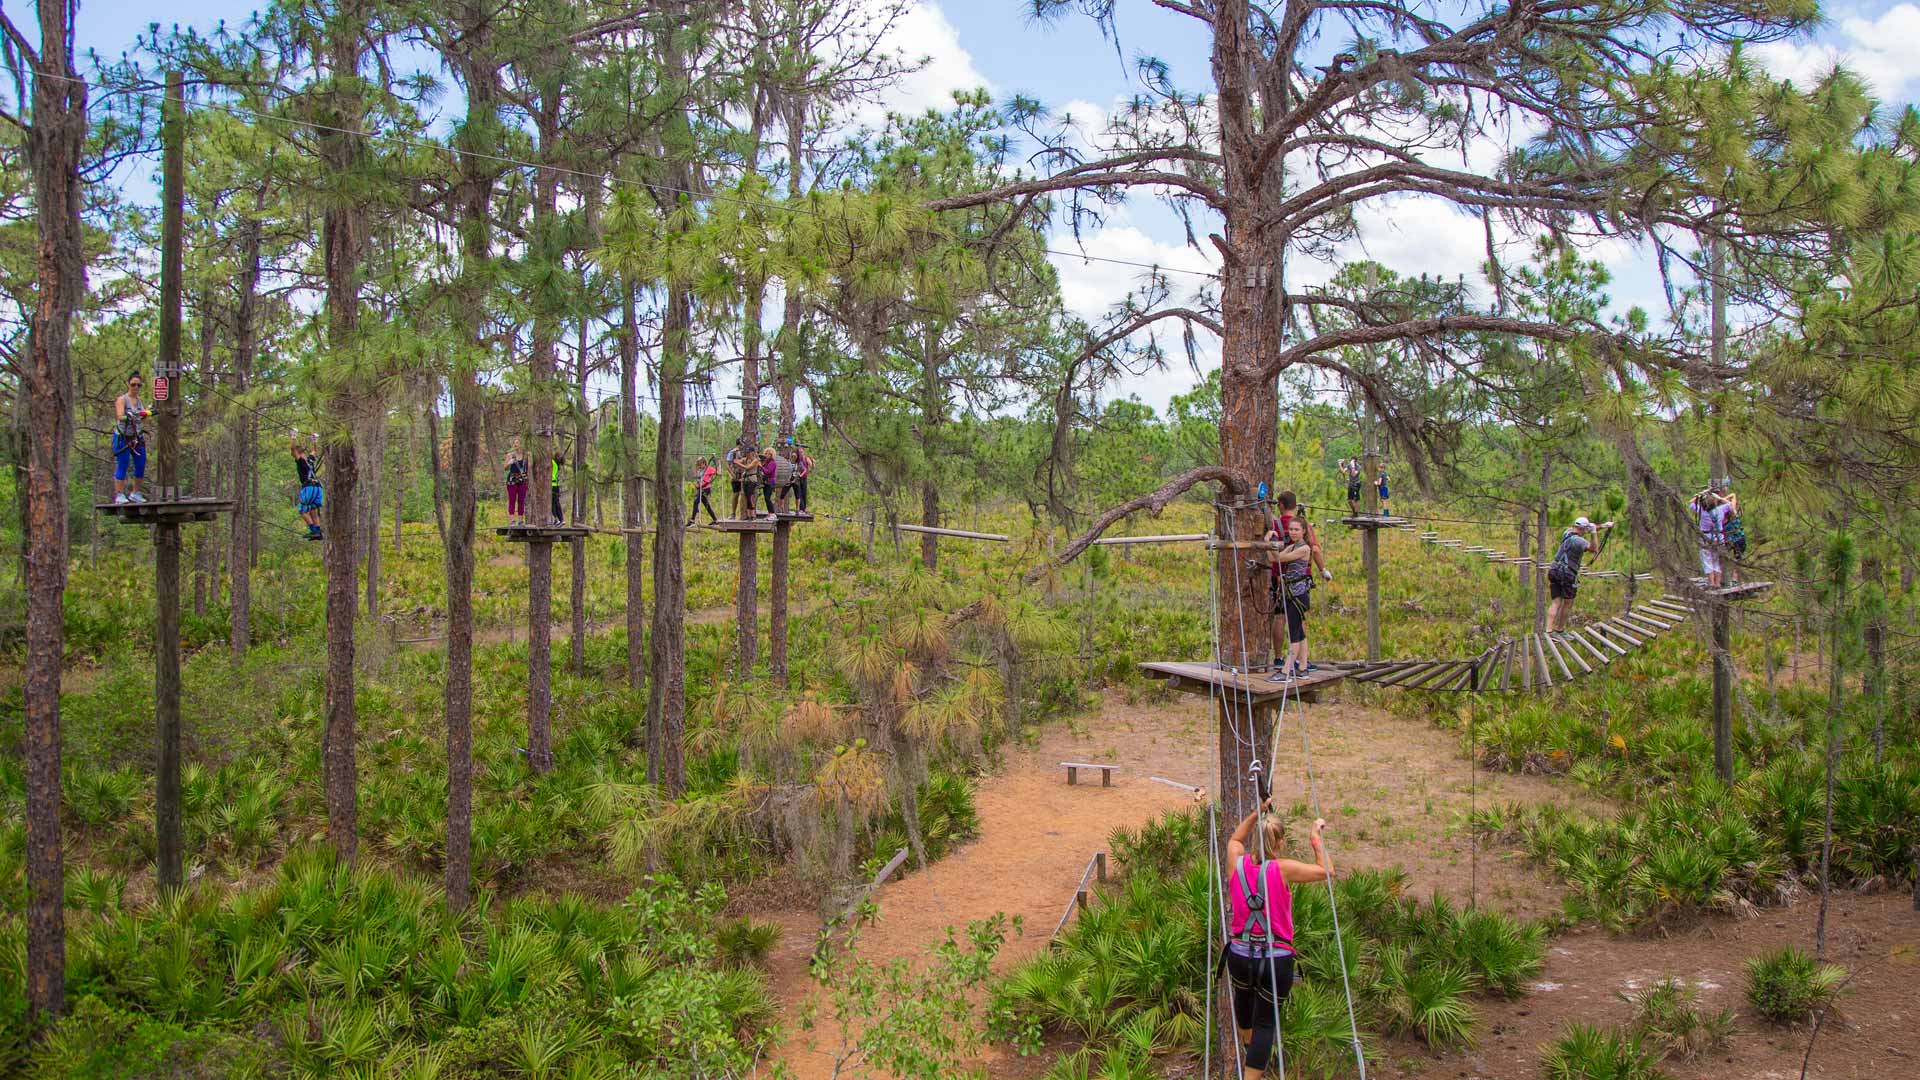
<point x="1259" y="953"/>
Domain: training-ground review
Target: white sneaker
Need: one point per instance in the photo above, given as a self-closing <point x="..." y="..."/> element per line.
<point x="136" y="497"/>
<point x="119" y="496"/>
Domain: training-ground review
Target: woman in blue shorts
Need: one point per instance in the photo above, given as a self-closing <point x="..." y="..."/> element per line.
<point x="129" y="443"/>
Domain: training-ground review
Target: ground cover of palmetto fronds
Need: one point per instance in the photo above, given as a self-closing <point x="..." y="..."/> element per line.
<point x="1395" y="792"/>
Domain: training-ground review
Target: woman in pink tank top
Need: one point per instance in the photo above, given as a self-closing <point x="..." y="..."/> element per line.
<point x="1259" y="953"/>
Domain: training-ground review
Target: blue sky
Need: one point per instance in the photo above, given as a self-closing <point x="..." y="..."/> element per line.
<point x="1072" y="68"/>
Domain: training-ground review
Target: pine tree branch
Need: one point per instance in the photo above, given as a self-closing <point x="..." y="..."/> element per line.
<point x="1235" y="482"/>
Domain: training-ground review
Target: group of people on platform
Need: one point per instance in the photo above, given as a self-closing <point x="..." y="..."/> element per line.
<point x="519" y="477"/>
<point x="777" y="476"/>
<point x="1355" y="475"/>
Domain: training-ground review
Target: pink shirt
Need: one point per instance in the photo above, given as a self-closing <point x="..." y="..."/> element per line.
<point x="1278" y="917"/>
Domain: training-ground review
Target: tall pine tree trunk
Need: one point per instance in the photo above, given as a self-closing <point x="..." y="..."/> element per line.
<point x="632" y="491"/>
<point x="747" y="593"/>
<point x="342" y="239"/>
<point x="546" y="191"/>
<point x="240" y="605"/>
<point x="54" y="145"/>
<point x="666" y="644"/>
<point x="373" y="439"/>
<point x="578" y="582"/>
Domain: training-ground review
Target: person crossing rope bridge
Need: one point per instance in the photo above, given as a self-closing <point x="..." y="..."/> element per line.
<point x="1259" y="952"/>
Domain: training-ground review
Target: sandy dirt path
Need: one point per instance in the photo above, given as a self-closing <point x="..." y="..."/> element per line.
<point x="1396" y="791"/>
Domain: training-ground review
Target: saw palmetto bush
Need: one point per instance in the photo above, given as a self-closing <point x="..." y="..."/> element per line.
<point x="357" y="972"/>
<point x="1591" y="1052"/>
<point x="1788" y="986"/>
<point x="1668" y="1018"/>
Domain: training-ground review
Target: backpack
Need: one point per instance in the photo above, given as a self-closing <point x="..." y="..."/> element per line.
<point x="1734" y="535"/>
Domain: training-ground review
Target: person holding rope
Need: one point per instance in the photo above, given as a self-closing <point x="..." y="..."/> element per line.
<point x="306" y="463"/>
<point x="1259" y="950"/>
<point x="1712" y="511"/>
<point x="129" y="443"/>
<point x="1350" y="468"/>
<point x="1289" y="505"/>
<point x="1563" y="574"/>
<point x="1292" y="591"/>
<point x="703" y="474"/>
<point x="802" y="465"/>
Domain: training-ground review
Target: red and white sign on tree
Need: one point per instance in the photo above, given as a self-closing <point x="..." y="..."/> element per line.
<point x="160" y="385"/>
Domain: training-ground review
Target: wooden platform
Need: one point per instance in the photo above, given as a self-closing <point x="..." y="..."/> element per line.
<point x="1375" y="521"/>
<point x="1240" y="686"/>
<point x="541" y="534"/>
<point x="173" y="512"/>
<point x="795" y="515"/>
<point x="738" y="525"/>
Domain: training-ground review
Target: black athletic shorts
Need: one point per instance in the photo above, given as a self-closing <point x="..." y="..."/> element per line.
<point x="1260" y="983"/>
<point x="1296" y="608"/>
<point x="1562" y="592"/>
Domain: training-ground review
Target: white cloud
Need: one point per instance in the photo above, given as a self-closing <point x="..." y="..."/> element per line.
<point x="1090" y="289"/>
<point x="1884" y="50"/>
<point x="923" y="33"/>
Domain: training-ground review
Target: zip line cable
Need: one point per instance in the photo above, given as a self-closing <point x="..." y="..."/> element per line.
<point x="243" y="113"/>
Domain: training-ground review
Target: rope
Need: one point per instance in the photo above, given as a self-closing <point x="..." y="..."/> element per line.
<point x="1333" y="905"/>
<point x="1217" y="894"/>
<point x="1252" y="772"/>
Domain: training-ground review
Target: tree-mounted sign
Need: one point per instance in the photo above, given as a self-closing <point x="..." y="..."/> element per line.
<point x="161" y="387"/>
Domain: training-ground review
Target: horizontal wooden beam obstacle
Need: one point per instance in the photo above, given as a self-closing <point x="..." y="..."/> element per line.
<point x="169" y="512"/>
<point x="1374" y="521"/>
<point x="1176" y="538"/>
<point x="961" y="534"/>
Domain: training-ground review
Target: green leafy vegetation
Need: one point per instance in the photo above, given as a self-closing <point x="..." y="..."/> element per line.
<point x="1667" y="1018"/>
<point x="1788" y="986"/>
<point x="1593" y="1052"/>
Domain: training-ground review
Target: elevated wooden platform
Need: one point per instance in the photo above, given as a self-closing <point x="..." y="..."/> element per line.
<point x="1241" y="687"/>
<point x="1375" y="521"/>
<point x="541" y="534"/>
<point x="171" y="512"/>
<point x="794" y="515"/>
<point x="741" y="525"/>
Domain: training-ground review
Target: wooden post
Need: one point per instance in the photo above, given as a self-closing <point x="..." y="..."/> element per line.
<point x="1100" y="865"/>
<point x="777" y="617"/>
<point x="1370" y="538"/>
<point x="166" y="535"/>
<point x="540" y="658"/>
<point x="871" y="521"/>
<point x="1722" y="693"/>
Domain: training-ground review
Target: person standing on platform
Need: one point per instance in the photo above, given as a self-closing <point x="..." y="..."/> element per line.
<point x="517" y="480"/>
<point x="306" y="463"/>
<point x="1384" y="495"/>
<point x="1350" y="468"/>
<point x="129" y="443"/>
<point x="703" y="475"/>
<point x="1563" y="574"/>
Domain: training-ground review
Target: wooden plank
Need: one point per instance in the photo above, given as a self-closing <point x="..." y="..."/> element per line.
<point x="1600" y="635"/>
<point x="1526" y="665"/>
<point x="1506" y="665"/>
<point x="1646" y="627"/>
<point x="1494" y="657"/>
<point x="1598" y="654"/>
<point x="1540" y="654"/>
<point x="1463" y="679"/>
<point x="961" y="534"/>
<point x="1441" y="674"/>
<point x="1179" y="538"/>
<point x="1674" y="610"/>
<point x="1375" y="674"/>
<point x="1406" y="673"/>
<point x="1553" y="646"/>
<point x="1615" y="629"/>
<point x="1561" y="650"/>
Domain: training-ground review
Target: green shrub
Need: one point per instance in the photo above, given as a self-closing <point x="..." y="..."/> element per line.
<point x="1589" y="1052"/>
<point x="1787" y="986"/>
<point x="1667" y="1019"/>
